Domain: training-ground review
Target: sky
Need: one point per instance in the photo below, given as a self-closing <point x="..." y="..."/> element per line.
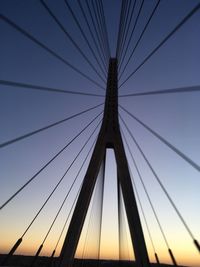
<point x="173" y="116"/>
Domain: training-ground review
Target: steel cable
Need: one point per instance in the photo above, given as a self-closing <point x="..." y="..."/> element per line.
<point x="180" y="24"/>
<point x="41" y="169"/>
<point x="50" y="51"/>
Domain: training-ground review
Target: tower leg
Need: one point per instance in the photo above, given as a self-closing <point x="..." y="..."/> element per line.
<point x="73" y="234"/>
<point x="137" y="237"/>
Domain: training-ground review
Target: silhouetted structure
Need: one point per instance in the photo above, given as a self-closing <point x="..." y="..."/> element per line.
<point x="109" y="137"/>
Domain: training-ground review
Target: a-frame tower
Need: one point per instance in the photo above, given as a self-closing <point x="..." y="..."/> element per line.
<point x="109" y="137"/>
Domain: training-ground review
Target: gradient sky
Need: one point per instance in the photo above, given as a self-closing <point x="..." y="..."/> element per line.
<point x="174" y="116"/>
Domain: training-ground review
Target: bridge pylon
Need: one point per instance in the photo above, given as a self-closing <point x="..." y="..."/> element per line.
<point x="109" y="137"/>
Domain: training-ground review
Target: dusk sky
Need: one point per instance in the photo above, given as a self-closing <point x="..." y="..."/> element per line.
<point x="174" y="116"/>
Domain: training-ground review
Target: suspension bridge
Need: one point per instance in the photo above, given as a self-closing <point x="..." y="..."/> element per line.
<point x="116" y="180"/>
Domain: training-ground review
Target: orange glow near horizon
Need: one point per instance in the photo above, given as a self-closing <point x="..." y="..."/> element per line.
<point x="109" y="250"/>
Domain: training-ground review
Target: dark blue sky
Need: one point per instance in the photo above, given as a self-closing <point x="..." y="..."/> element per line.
<point x="173" y="116"/>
